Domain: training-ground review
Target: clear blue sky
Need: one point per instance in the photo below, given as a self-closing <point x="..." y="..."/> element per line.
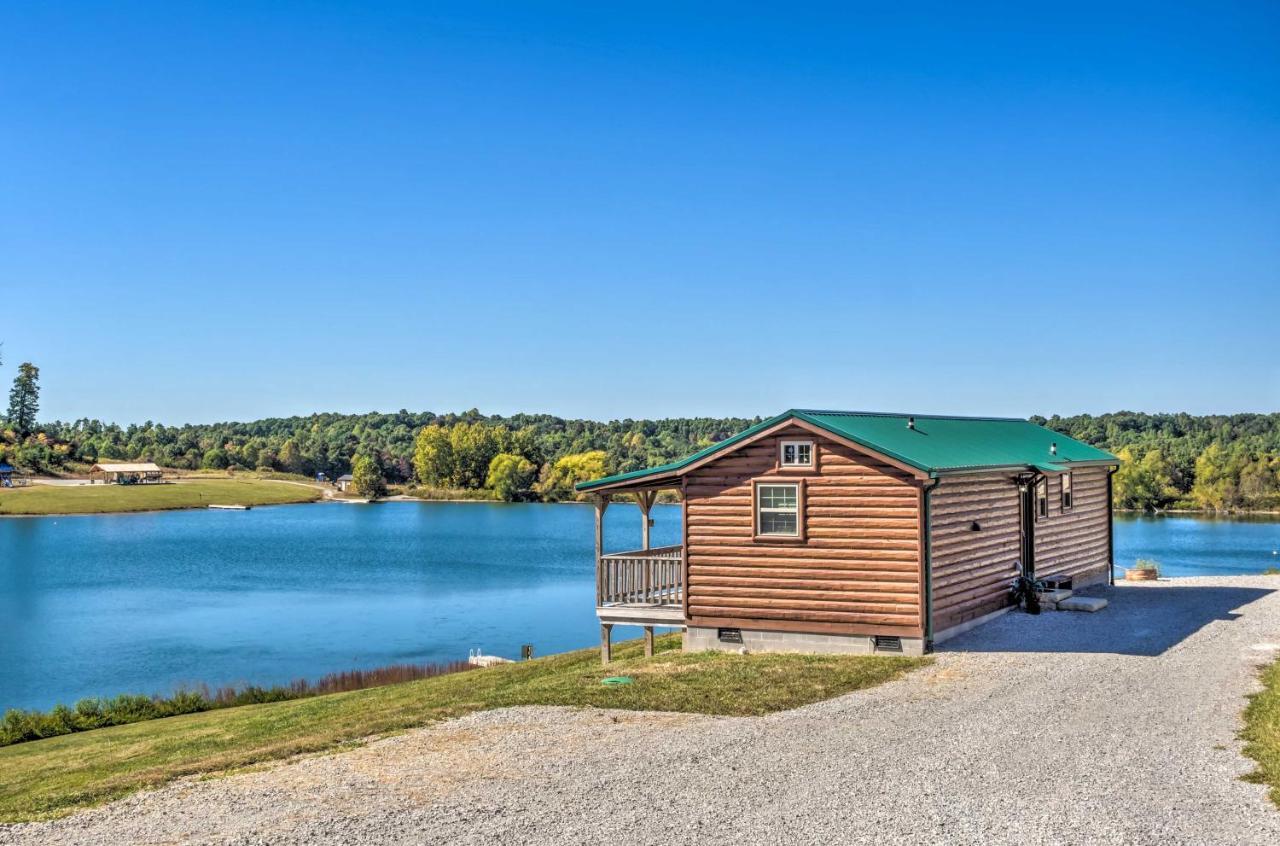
<point x="233" y="210"/>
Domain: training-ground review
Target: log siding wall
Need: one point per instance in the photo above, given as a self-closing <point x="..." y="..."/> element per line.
<point x="1074" y="543"/>
<point x="972" y="570"/>
<point x="857" y="570"/>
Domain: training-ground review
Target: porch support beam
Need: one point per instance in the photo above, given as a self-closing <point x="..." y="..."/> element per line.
<point x="645" y="500"/>
<point x="606" y="644"/>
<point x="601" y="502"/>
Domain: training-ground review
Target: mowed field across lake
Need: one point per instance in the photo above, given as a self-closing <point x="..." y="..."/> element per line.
<point x="194" y="493"/>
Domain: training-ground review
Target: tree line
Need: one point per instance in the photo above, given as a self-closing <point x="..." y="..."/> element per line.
<point x="516" y="457"/>
<point x="1212" y="462"/>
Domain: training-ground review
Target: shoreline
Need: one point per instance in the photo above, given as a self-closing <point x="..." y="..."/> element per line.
<point x="327" y="496"/>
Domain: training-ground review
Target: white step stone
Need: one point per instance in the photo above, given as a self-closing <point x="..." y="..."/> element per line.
<point x="1054" y="595"/>
<point x="1082" y="603"/>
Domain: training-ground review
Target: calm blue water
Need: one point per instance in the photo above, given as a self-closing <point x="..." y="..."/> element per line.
<point x="144" y="602"/>
<point x="1198" y="546"/>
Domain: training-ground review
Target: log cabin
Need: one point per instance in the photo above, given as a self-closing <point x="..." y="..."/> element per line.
<point x="836" y="531"/>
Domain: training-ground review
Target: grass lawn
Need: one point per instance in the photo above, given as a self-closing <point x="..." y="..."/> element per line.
<point x="49" y="777"/>
<point x="99" y="499"/>
<point x="1262" y="731"/>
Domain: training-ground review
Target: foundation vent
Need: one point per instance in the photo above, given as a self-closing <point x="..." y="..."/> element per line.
<point x="888" y="643"/>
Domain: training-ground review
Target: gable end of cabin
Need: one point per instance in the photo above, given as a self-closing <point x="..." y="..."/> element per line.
<point x="800" y="542"/>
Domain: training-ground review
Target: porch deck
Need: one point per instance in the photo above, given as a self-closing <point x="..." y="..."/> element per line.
<point x="643" y="587"/>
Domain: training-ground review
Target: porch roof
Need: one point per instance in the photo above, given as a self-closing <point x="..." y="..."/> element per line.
<point x="125" y="467"/>
<point x="932" y="444"/>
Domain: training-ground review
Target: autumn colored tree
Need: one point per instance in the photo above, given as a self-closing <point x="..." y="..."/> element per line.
<point x="510" y="476"/>
<point x="433" y="456"/>
<point x="558" y="480"/>
<point x="367" y="477"/>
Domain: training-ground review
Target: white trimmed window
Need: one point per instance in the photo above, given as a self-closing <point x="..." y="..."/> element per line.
<point x="778" y="510"/>
<point x="1068" y="499"/>
<point x="797" y="454"/>
<point x="1042" y="498"/>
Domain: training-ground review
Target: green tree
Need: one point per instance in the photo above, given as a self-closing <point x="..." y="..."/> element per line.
<point x="559" y="478"/>
<point x="1144" y="483"/>
<point x="215" y="459"/>
<point x="1260" y="482"/>
<point x="367" y="478"/>
<point x="266" y="460"/>
<point x="1217" y="484"/>
<point x="24" y="399"/>
<point x="433" y="456"/>
<point x="510" y="476"/>
<point x="473" y="446"/>
<point x="291" y="460"/>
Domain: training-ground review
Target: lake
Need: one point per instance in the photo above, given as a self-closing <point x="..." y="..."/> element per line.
<point x="99" y="605"/>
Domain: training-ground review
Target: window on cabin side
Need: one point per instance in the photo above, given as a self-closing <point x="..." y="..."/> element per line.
<point x="1042" y="498"/>
<point x="778" y="510"/>
<point x="1067" y="499"/>
<point x="797" y="453"/>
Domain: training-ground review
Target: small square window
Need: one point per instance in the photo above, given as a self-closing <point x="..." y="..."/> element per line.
<point x="1068" y="499"/>
<point x="797" y="454"/>
<point x="778" y="510"/>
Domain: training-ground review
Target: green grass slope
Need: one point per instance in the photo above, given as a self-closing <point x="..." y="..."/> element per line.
<point x="46" y="778"/>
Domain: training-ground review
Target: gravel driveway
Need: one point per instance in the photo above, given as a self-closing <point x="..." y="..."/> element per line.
<point x="1116" y="727"/>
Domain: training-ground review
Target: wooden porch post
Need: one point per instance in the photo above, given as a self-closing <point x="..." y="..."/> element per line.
<point x="602" y="502"/>
<point x="645" y="500"/>
<point x="606" y="646"/>
<point x="648" y="641"/>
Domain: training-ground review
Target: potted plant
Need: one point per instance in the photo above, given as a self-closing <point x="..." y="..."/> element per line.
<point x="1143" y="570"/>
<point x="1026" y="592"/>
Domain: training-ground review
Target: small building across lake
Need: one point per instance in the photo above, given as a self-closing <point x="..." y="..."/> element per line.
<point x="344" y="482"/>
<point x="830" y="531"/>
<point x="133" y="473"/>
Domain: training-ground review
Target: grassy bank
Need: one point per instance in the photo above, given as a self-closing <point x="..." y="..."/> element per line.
<point x="19" y="726"/>
<point x="1262" y="732"/>
<point x="49" y="777"/>
<point x="103" y="499"/>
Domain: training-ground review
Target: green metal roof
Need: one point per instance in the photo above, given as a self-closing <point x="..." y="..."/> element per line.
<point x="936" y="444"/>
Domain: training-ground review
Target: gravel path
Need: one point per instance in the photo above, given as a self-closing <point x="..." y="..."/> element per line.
<point x="1117" y="727"/>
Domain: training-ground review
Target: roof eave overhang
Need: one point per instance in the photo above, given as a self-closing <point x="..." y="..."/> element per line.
<point x="664" y="481"/>
<point x="1065" y="467"/>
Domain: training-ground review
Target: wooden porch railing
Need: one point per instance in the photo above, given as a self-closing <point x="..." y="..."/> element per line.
<point x="641" y="577"/>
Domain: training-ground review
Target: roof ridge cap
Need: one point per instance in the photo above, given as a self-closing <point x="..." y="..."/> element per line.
<point x="922" y="416"/>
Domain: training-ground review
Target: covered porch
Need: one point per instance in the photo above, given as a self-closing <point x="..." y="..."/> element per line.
<point x="640" y="587"/>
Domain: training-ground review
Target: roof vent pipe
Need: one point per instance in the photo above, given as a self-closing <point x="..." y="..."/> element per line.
<point x="911" y="422"/>
<point x="1053" y="448"/>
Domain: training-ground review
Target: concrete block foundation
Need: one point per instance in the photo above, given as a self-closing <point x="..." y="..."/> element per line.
<point x="701" y="639"/>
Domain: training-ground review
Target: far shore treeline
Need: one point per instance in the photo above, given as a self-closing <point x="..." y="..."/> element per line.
<point x="1220" y="463"/>
<point x="1210" y="462"/>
